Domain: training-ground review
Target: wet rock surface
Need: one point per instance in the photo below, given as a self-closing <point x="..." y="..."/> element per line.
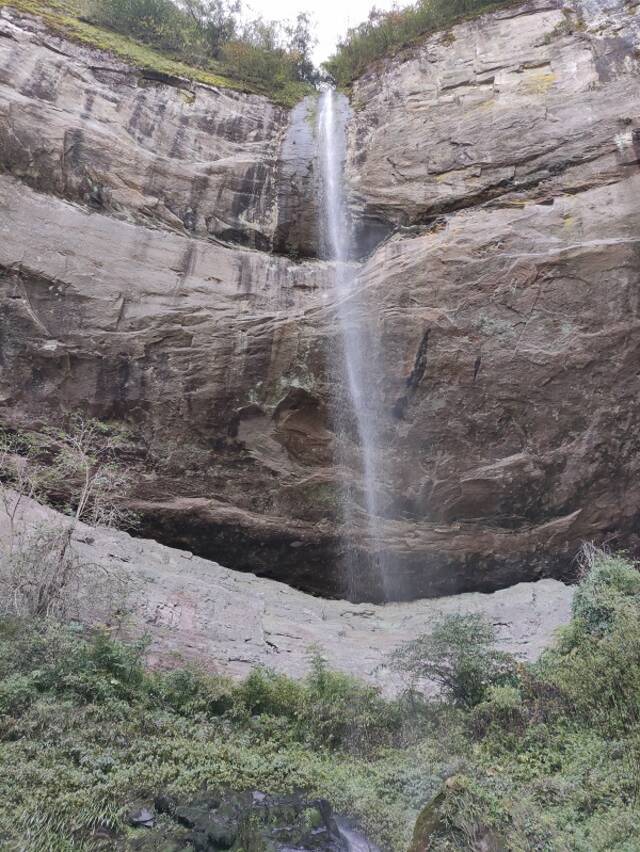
<point x="251" y="821"/>
<point x="138" y="281"/>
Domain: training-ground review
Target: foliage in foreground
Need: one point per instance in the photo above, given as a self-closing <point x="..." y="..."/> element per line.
<point x="383" y="33"/>
<point x="89" y="732"/>
<point x="546" y="760"/>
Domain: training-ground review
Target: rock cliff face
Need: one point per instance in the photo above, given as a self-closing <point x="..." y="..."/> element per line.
<point x="158" y="268"/>
<point x="193" y="610"/>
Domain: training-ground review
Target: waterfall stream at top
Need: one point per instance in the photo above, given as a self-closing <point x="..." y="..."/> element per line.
<point x="354" y="359"/>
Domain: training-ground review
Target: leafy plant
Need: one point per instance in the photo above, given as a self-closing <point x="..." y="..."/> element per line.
<point x="385" y="32"/>
<point x="268" y="54"/>
<point x="609" y="584"/>
<point x="501" y="708"/>
<point x="458" y="655"/>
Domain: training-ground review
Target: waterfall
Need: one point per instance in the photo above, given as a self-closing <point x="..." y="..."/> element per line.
<point x="354" y="840"/>
<point x="353" y="360"/>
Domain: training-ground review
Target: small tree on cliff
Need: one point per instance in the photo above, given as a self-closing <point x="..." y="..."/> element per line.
<point x="460" y="656"/>
<point x="41" y="573"/>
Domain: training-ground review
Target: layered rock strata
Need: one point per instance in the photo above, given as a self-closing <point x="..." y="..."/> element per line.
<point x="193" y="610"/>
<point x="157" y="270"/>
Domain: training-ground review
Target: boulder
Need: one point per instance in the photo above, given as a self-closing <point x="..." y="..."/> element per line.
<point x="250" y="821"/>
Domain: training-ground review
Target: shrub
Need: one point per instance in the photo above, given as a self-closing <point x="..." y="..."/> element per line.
<point x="328" y="709"/>
<point x="156" y="22"/>
<point x="264" y="692"/>
<point x="216" y="21"/>
<point x="41" y="573"/>
<point x="192" y="693"/>
<point x="610" y="583"/>
<point x="502" y="708"/>
<point x="256" y="64"/>
<point x="596" y="664"/>
<point x="85" y="666"/>
<point x="384" y="32"/>
<point x="269" y="55"/>
<point x="340" y="711"/>
<point x="599" y="675"/>
<point x="458" y="655"/>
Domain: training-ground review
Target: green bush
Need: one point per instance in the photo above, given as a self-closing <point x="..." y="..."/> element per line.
<point x="326" y="710"/>
<point x="502" y="708"/>
<point x="59" y="660"/>
<point x="264" y="692"/>
<point x="159" y="23"/>
<point x="384" y="32"/>
<point x="600" y="675"/>
<point x="192" y="693"/>
<point x="458" y="655"/>
<point x="266" y="54"/>
<point x="547" y="759"/>
<point x="596" y="663"/>
<point x="257" y="64"/>
<point x="611" y="582"/>
<point x="343" y="712"/>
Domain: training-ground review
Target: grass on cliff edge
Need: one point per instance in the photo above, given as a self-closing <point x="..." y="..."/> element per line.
<point x="64" y="17"/>
<point x="548" y="760"/>
<point x="385" y="34"/>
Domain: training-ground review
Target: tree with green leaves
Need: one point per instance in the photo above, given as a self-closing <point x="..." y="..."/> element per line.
<point x="460" y="656"/>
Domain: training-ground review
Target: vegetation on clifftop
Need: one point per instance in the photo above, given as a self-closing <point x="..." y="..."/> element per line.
<point x="535" y="757"/>
<point x="207" y="41"/>
<point x="384" y="33"/>
<point x="203" y="41"/>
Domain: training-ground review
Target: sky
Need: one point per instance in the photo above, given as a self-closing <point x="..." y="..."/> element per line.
<point x="332" y="17"/>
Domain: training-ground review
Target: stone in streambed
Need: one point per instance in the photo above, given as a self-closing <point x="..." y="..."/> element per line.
<point x="253" y="822"/>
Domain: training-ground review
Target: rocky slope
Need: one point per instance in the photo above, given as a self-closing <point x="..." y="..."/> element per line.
<point x="193" y="610"/>
<point x="157" y="268"/>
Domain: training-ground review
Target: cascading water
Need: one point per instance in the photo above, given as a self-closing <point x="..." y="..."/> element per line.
<point x="354" y="362"/>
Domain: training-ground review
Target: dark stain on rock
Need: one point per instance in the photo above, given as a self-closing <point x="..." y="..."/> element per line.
<point x="476" y="367"/>
<point x="245" y="277"/>
<point x="42" y="85"/>
<point x="137" y="123"/>
<point x="96" y="196"/>
<point x="88" y="104"/>
<point x="369" y="231"/>
<point x="72" y="149"/>
<point x="207" y="124"/>
<point x="295" y="186"/>
<point x="199" y="186"/>
<point x="243" y="237"/>
<point x="186" y="264"/>
<point x="249" y="188"/>
<point x="234" y="129"/>
<point x="415" y="377"/>
<point x="178" y="139"/>
<point x="611" y="55"/>
<point x="420" y="364"/>
<point x="635" y="141"/>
